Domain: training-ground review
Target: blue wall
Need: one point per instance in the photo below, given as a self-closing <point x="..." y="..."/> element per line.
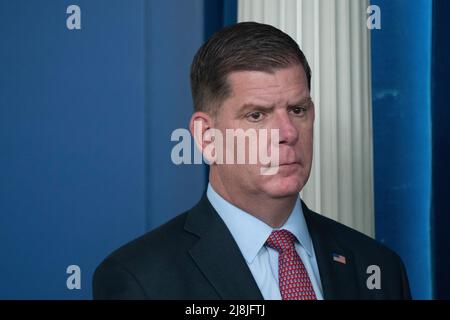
<point x="401" y="74"/>
<point x="85" y="123"/>
<point x="441" y="149"/>
<point x="174" y="32"/>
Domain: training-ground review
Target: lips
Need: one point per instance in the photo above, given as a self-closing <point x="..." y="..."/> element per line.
<point x="288" y="163"/>
<point x="285" y="164"/>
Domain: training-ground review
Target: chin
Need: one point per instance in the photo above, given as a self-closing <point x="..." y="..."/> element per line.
<point x="288" y="182"/>
<point x="284" y="187"/>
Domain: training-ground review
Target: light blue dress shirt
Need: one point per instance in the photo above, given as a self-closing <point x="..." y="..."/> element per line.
<point x="251" y="233"/>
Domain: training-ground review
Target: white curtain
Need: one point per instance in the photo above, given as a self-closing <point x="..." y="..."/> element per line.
<point x="335" y="39"/>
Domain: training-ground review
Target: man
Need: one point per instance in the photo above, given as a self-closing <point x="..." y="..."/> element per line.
<point x="251" y="236"/>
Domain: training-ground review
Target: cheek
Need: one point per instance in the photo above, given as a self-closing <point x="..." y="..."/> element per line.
<point x="306" y="135"/>
<point x="305" y="146"/>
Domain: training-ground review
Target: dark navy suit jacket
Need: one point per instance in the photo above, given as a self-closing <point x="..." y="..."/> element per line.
<point x="194" y="256"/>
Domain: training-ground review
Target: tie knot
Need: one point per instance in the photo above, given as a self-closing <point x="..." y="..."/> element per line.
<point x="281" y="240"/>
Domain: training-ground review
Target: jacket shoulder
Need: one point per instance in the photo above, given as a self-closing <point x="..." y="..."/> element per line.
<point x="166" y="240"/>
<point x="361" y="244"/>
<point x="153" y="256"/>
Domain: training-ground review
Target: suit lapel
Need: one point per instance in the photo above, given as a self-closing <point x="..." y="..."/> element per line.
<point x="218" y="256"/>
<point x="339" y="280"/>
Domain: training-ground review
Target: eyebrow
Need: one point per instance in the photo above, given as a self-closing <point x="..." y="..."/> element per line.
<point x="252" y="106"/>
<point x="255" y="107"/>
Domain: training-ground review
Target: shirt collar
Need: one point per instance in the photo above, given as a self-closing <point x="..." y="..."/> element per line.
<point x="251" y="233"/>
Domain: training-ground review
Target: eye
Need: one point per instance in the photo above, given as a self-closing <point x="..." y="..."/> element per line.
<point x="255" y="116"/>
<point x="298" y="111"/>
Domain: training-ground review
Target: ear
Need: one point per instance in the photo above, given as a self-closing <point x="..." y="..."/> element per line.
<point x="199" y="124"/>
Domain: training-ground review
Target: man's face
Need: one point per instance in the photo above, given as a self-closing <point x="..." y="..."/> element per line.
<point x="278" y="100"/>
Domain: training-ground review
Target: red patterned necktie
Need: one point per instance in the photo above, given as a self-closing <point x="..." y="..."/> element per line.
<point x="293" y="278"/>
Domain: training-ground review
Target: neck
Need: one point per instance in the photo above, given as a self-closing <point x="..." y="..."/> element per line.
<point x="272" y="211"/>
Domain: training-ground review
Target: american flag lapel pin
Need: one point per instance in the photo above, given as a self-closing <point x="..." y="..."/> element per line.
<point x="339" y="258"/>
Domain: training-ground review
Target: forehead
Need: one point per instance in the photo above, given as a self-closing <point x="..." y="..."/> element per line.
<point x="287" y="83"/>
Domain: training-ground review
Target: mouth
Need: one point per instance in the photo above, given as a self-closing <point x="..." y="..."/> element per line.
<point x="284" y="167"/>
<point x="290" y="163"/>
<point x="285" y="164"/>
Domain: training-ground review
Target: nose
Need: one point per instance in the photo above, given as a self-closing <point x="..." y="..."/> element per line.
<point x="288" y="131"/>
